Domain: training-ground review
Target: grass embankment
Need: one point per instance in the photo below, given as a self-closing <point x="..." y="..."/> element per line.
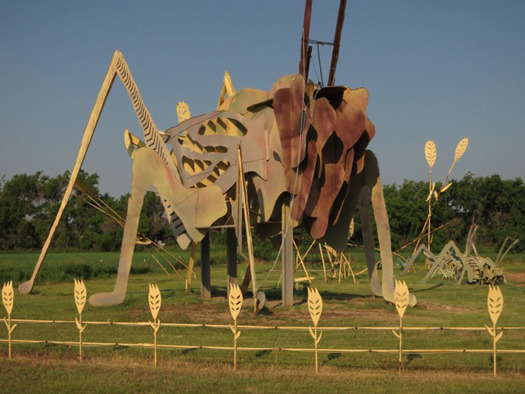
<point x="122" y="375"/>
<point x="42" y="367"/>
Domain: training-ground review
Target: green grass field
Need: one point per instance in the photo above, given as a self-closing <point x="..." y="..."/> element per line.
<point x="44" y="367"/>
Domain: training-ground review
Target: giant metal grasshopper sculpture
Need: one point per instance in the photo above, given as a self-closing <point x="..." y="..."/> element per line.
<point x="300" y="145"/>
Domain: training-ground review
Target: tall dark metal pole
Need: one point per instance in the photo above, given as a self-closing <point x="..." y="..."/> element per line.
<point x="337" y="41"/>
<point x="303" y="61"/>
<point x="205" y="267"/>
<point x="287" y="256"/>
<point x="231" y="257"/>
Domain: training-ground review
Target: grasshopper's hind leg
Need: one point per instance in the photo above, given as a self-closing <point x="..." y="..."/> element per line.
<point x="373" y="181"/>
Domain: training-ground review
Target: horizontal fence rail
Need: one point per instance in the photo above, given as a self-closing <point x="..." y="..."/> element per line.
<point x="315" y="306"/>
<point x="271" y="327"/>
<point x="257" y="349"/>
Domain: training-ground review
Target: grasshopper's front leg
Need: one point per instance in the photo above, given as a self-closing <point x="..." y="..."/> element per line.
<point x="196" y="208"/>
<point x="118" y="294"/>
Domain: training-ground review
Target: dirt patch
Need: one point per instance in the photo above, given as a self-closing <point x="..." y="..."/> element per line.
<point x="201" y="313"/>
<point x="431" y="306"/>
<point x="357" y="316"/>
<point x="274" y="314"/>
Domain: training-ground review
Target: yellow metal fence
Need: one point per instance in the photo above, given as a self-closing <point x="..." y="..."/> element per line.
<point x="315" y="308"/>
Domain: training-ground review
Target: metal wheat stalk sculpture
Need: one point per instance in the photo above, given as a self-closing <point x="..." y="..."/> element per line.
<point x="401" y="298"/>
<point x="430" y="154"/>
<point x="315" y="307"/>
<point x="8" y="299"/>
<point x="461" y="147"/>
<point x="155" y="301"/>
<point x="495" y="306"/>
<point x="433" y="194"/>
<point x="235" y="300"/>
<point x="80" y="301"/>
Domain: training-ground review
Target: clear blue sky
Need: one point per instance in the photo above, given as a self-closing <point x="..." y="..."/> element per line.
<point x="440" y="70"/>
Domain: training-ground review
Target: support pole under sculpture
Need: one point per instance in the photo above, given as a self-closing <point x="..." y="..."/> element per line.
<point x="231" y="257"/>
<point x="205" y="267"/>
<point x="287" y="256"/>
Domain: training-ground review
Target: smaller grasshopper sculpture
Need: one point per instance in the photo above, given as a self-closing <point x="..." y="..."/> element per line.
<point x="452" y="264"/>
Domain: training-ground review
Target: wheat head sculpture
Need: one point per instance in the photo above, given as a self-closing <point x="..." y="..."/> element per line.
<point x="8" y="299"/>
<point x="80" y="294"/>
<point x="235" y="300"/>
<point x="155" y="302"/>
<point x="315" y="307"/>
<point x="495" y="306"/>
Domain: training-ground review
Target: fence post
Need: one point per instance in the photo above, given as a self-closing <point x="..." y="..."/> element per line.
<point x="401" y="297"/>
<point x="235" y="302"/>
<point x="495" y="306"/>
<point x="155" y="301"/>
<point x="8" y="299"/>
<point x="315" y="307"/>
<point x="80" y="301"/>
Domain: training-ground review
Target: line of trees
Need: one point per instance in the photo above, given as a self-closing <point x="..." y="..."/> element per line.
<point x="496" y="205"/>
<point x="28" y="205"/>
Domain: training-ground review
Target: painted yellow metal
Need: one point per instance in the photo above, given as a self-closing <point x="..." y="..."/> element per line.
<point x="183" y="111"/>
<point x="300" y="261"/>
<point x="242" y="201"/>
<point x="8" y="296"/>
<point x="453" y="264"/>
<point x="8" y="299"/>
<point x="433" y="194"/>
<point x="155" y="302"/>
<point x="402" y="297"/>
<point x="430" y="153"/>
<point x="235" y="303"/>
<point x="322" y="260"/>
<point x="190" y="267"/>
<point x="495" y="306"/>
<point x="227" y="89"/>
<point x="235" y="300"/>
<point x="80" y="294"/>
<point x="315" y="307"/>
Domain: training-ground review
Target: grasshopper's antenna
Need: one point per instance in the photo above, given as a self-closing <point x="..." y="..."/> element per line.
<point x="337" y="42"/>
<point x="305" y="37"/>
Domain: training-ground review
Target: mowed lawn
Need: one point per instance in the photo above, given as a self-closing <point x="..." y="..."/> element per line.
<point x="115" y="368"/>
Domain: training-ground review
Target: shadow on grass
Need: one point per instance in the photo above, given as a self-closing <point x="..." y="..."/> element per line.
<point x="301" y="294"/>
<point x="333" y="296"/>
<point x="330" y="357"/>
<point x="427" y="288"/>
<point x="262" y="353"/>
<point x="188" y="351"/>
